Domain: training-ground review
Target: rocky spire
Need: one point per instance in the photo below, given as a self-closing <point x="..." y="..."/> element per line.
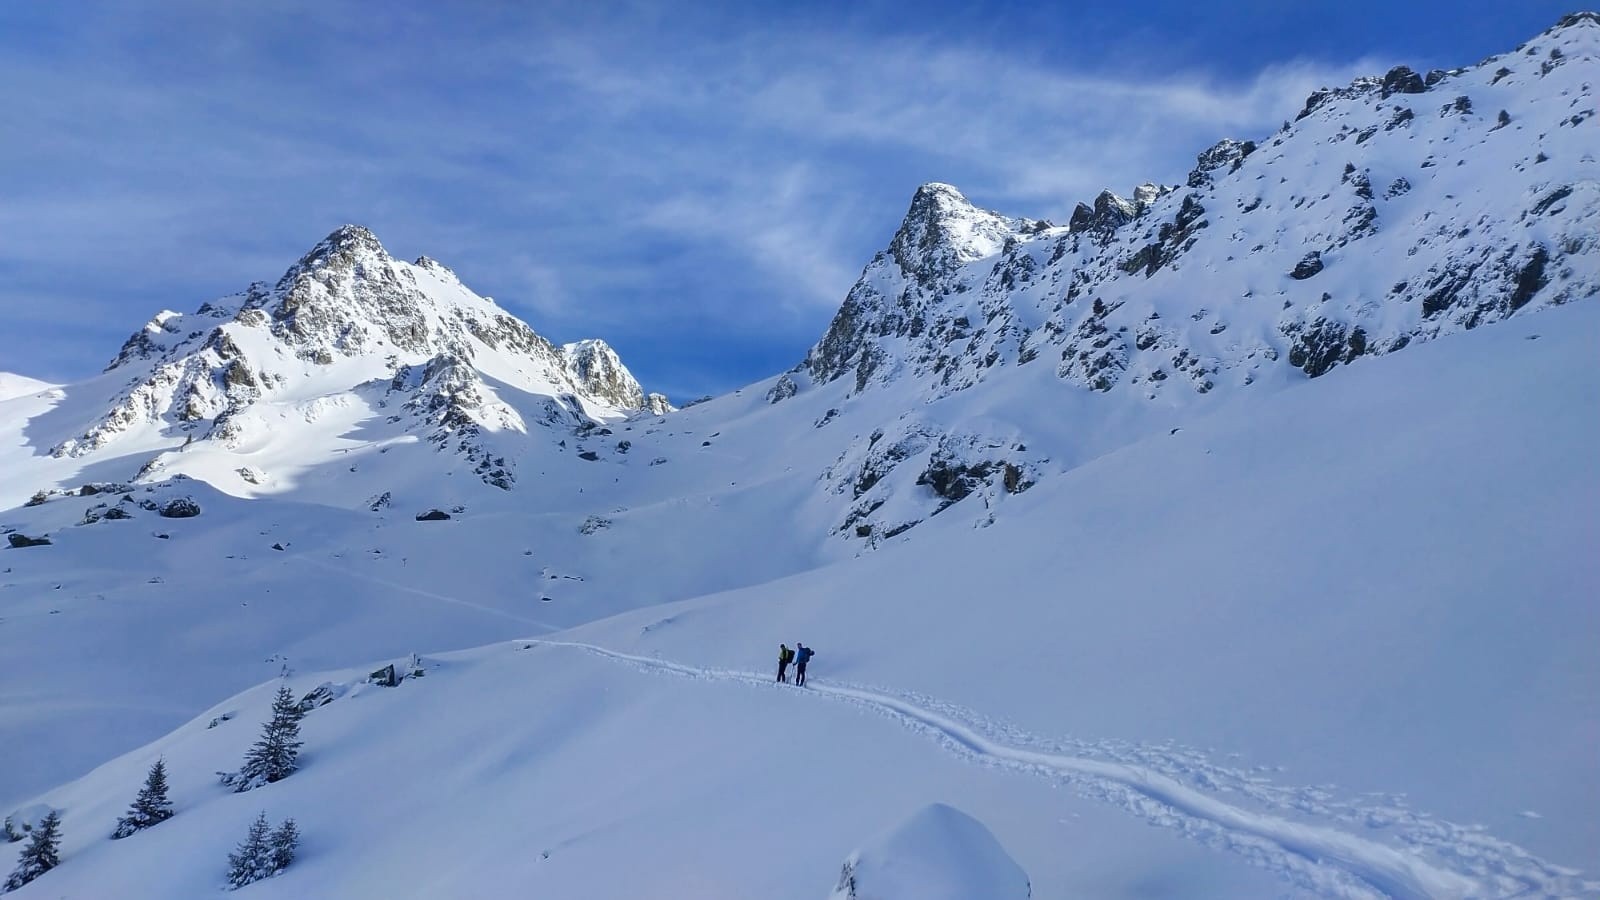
<point x="600" y="372"/>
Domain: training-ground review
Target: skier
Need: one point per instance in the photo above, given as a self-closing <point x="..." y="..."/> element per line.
<point x="802" y="655"/>
<point x="785" y="656"/>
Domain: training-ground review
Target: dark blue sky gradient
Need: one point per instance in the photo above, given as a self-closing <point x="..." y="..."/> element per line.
<point x="699" y="186"/>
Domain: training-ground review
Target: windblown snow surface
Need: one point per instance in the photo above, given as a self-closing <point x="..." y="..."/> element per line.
<point x="1338" y="642"/>
<point x="1178" y="559"/>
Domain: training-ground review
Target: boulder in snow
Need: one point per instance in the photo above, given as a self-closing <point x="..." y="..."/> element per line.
<point x="939" y="853"/>
<point x="180" y="508"/>
<point x="19" y="540"/>
<point x="384" y="677"/>
<point x="433" y="515"/>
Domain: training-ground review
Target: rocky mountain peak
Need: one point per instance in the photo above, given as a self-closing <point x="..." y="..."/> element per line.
<point x="943" y="230"/>
<point x="341" y="249"/>
<point x="352" y="325"/>
<point x="1459" y="195"/>
<point x="597" y="368"/>
<point x="1577" y="20"/>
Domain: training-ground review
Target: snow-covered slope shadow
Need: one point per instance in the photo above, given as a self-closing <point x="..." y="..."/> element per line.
<point x="553" y="757"/>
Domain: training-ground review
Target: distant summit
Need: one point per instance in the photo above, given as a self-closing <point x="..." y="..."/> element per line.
<point x="347" y="326"/>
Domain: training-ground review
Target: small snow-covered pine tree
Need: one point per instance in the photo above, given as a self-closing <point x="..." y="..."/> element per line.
<point x="285" y="841"/>
<point x="273" y="757"/>
<point x="252" y="861"/>
<point x="151" y="807"/>
<point x="42" y="854"/>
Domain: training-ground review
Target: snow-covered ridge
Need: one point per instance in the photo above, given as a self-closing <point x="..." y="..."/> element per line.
<point x="349" y="327"/>
<point x="1396" y="209"/>
<point x="13" y="385"/>
<point x="1389" y="212"/>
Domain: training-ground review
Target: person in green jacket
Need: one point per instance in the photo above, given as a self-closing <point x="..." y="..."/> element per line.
<point x="785" y="656"/>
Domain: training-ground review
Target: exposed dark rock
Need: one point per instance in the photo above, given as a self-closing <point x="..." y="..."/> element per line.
<point x="1109" y="213"/>
<point x="589" y="455"/>
<point x="1530" y="279"/>
<point x="19" y="540"/>
<point x="384" y="677"/>
<point x="321" y="696"/>
<point x="1309" y="265"/>
<point x="1401" y="80"/>
<point x="1551" y="199"/>
<point x="1226" y="153"/>
<point x="1323" y="345"/>
<point x="180" y="508"/>
<point x="783" y="389"/>
<point x="433" y="515"/>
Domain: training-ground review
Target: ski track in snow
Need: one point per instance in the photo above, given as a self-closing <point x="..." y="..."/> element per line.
<point x="1432" y="859"/>
<point x="418" y="592"/>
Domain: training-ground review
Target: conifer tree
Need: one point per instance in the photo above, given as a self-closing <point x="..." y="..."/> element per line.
<point x="252" y="861"/>
<point x="42" y="854"/>
<point x="285" y="841"/>
<point x="151" y="807"/>
<point x="273" y="757"/>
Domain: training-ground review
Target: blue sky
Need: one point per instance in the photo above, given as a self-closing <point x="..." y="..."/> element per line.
<point x="697" y="184"/>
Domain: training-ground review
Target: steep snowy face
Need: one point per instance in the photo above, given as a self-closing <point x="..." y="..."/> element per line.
<point x="1391" y="211"/>
<point x="900" y="290"/>
<point x="1395" y="209"/>
<point x="347" y="329"/>
<point x="598" y="369"/>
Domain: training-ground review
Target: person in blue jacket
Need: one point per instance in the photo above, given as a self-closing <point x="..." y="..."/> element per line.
<point x="802" y="655"/>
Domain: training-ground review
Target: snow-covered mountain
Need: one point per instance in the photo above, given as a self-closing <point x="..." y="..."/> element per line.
<point x="238" y="390"/>
<point x="1181" y="505"/>
<point x="1389" y="212"/>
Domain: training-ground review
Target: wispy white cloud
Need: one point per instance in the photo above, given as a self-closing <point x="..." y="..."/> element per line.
<point x="633" y="181"/>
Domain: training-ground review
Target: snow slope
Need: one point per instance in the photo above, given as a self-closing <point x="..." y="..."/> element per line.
<point x="1195" y="527"/>
<point x="1267" y="634"/>
<point x="13" y="386"/>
